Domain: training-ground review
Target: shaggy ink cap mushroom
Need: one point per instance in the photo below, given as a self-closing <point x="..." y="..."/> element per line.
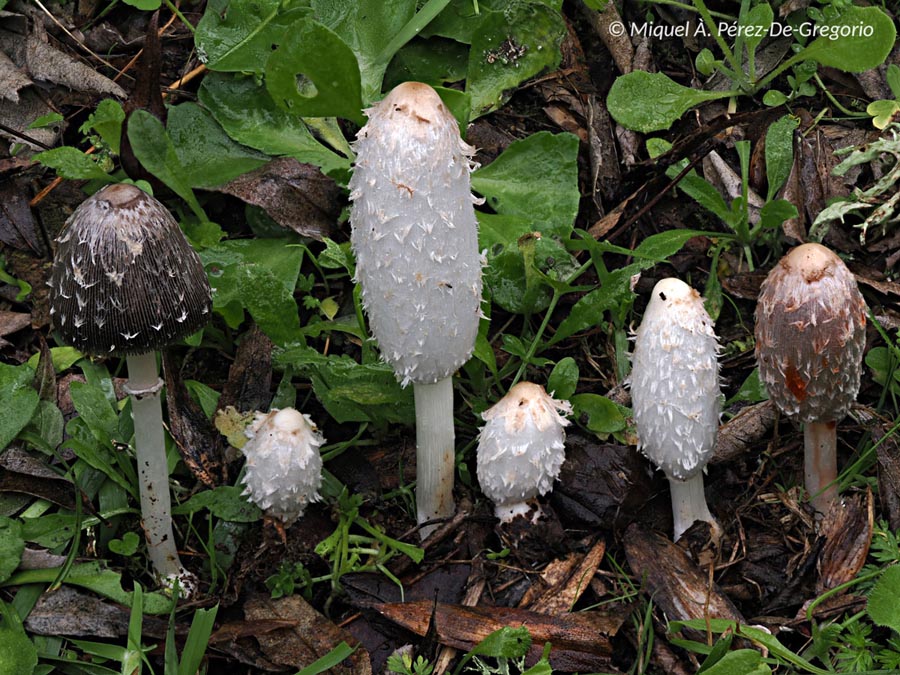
<point x="125" y="281"/>
<point x="284" y="469"/>
<point x="676" y="396"/>
<point x="810" y="337"/>
<point x="415" y="239"/>
<point x="521" y="448"/>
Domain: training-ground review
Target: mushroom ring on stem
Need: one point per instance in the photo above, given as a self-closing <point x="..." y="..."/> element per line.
<point x="676" y="396"/>
<point x="810" y="337"/>
<point x="125" y="281"/>
<point x="417" y="260"/>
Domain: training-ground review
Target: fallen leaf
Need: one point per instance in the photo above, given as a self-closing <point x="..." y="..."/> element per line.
<point x="563" y="581"/>
<point x="847" y="530"/>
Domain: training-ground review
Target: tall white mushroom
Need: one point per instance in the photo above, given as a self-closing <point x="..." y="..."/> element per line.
<point x="810" y="336"/>
<point x="125" y="281"/>
<point x="416" y="243"/>
<point x="521" y="448"/>
<point x="676" y="396"/>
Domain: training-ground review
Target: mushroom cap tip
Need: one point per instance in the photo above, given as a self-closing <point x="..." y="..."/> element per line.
<point x="811" y="261"/>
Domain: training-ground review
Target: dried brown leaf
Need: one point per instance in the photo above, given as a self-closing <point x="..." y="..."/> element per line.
<point x="847" y="530"/>
<point x="563" y="581"/>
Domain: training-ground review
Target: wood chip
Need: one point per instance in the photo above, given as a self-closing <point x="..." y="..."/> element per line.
<point x="744" y="431"/>
<point x="563" y="581"/>
<point x="847" y="530"/>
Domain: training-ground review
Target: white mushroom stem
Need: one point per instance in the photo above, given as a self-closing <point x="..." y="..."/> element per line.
<point x="435" y="452"/>
<point x="689" y="504"/>
<point x="820" y="463"/>
<point x="144" y="386"/>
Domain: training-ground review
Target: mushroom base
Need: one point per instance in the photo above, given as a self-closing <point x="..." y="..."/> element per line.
<point x="689" y="504"/>
<point x="435" y="452"/>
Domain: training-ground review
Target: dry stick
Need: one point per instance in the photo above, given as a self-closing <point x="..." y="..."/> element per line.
<point x="40" y="196"/>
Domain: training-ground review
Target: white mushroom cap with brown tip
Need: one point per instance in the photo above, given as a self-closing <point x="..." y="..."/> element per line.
<point x="415" y="234"/>
<point x="284" y="468"/>
<point x="810" y="335"/>
<point x="124" y="279"/>
<point x="522" y="447"/>
<point x="675" y="381"/>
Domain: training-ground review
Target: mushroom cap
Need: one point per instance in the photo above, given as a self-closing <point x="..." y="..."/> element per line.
<point x="674" y="381"/>
<point x="522" y="447"/>
<point x="810" y="335"/>
<point x="284" y="469"/>
<point x="415" y="234"/>
<point x="124" y="278"/>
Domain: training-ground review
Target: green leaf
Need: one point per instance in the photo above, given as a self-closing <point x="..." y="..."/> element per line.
<point x="893" y="79"/>
<point x="330" y="660"/>
<point x="238" y="35"/>
<point x="223" y="502"/>
<point x="563" y="379"/>
<point x="145" y="5"/>
<point x="17" y="653"/>
<point x="63" y="358"/>
<point x="603" y="416"/>
<point x="258" y="275"/>
<point x="106" y="121"/>
<point x="508" y="48"/>
<point x="96" y="578"/>
<point x="505" y="643"/>
<point x="95" y="410"/>
<point x="126" y="546"/>
<point x="740" y="662"/>
<point x="774" y="213"/>
<point x="205" y="152"/>
<point x="882" y="607"/>
<point x="249" y="115"/>
<point x="535" y="181"/>
<point x="883" y="112"/>
<point x="701" y="191"/>
<point x="435" y="61"/>
<point x="45" y="121"/>
<point x="350" y="391"/>
<point x="155" y="151"/>
<point x="11" y="546"/>
<point x="18" y="401"/>
<point x="313" y="73"/>
<point x="757" y="24"/>
<point x="870" y="38"/>
<point x="705" y="62"/>
<point x="774" y="98"/>
<point x="649" y="102"/>
<point x="779" y="152"/>
<point x="72" y="164"/>
<point x="197" y="640"/>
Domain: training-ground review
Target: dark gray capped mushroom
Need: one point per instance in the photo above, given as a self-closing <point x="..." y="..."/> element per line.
<point x="125" y="281"/>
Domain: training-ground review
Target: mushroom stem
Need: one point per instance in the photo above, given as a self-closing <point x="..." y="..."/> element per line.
<point x="820" y="463"/>
<point x="689" y="504"/>
<point x="435" y="451"/>
<point x="144" y="387"/>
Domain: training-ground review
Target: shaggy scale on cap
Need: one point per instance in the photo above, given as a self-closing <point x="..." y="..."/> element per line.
<point x="124" y="279"/>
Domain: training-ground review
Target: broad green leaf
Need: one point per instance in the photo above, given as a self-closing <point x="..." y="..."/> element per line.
<point x="544" y="199"/>
<point x="145" y="5"/>
<point x="893" y="79"/>
<point x="155" y="151"/>
<point x="95" y="410"/>
<point x="435" y="61"/>
<point x="367" y="27"/>
<point x="11" y="546"/>
<point x="870" y="38"/>
<point x="63" y="358"/>
<point x="883" y="608"/>
<point x="72" y="164"/>
<point x="314" y="73"/>
<point x="18" y="401"/>
<point x="506" y="279"/>
<point x="94" y="577"/>
<point x="563" y="379"/>
<point x="350" y="391"/>
<point x="249" y="115"/>
<point x="48" y="424"/>
<point x="508" y="48"/>
<point x="882" y="112"/>
<point x="18" y="654"/>
<point x="775" y="212"/>
<point x="603" y="416"/>
<point x="126" y="546"/>
<point x="779" y="152"/>
<point x="649" y="102"/>
<point x="660" y="246"/>
<point x="589" y="310"/>
<point x="774" y="98"/>
<point x="238" y="35"/>
<point x="740" y="662"/>
<point x="106" y="121"/>
<point x="506" y="643"/>
<point x="223" y="502"/>
<point x="757" y="24"/>
<point x="207" y="154"/>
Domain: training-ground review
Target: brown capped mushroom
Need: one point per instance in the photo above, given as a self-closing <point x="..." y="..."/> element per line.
<point x="810" y="336"/>
<point x="125" y="281"/>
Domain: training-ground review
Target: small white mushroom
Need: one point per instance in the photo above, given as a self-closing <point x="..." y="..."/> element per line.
<point x="284" y="469"/>
<point x="810" y="337"/>
<point x="415" y="238"/>
<point x="676" y="396"/>
<point x="521" y="448"/>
